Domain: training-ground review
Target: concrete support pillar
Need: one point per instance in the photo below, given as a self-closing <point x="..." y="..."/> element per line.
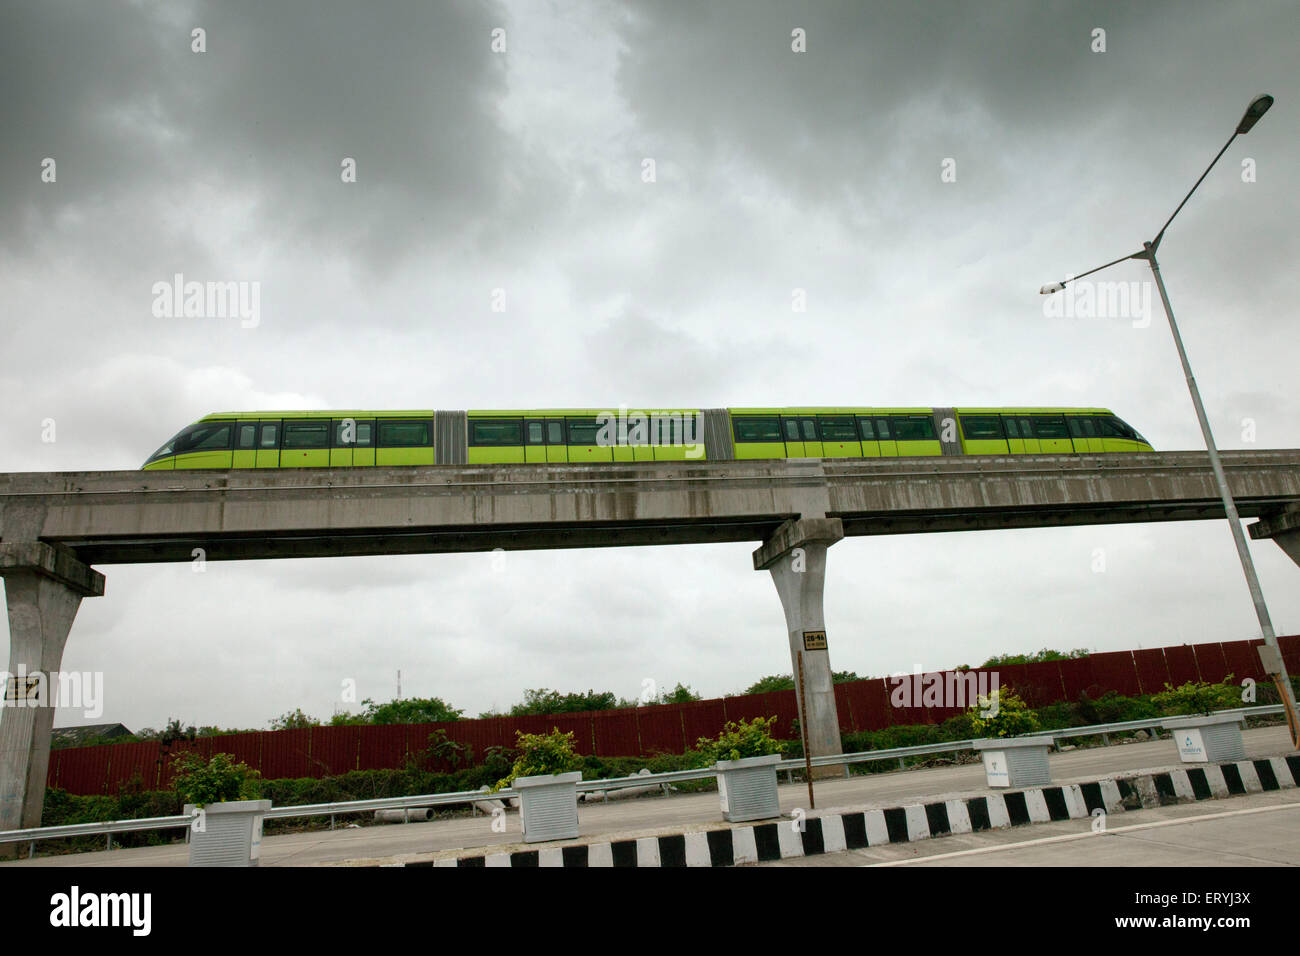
<point x="44" y="585"/>
<point x="796" y="556"/>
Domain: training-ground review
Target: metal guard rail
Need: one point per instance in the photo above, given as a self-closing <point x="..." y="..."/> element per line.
<point x="109" y="827"/>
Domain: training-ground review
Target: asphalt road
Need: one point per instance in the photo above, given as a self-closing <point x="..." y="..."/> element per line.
<point x="1254" y="830"/>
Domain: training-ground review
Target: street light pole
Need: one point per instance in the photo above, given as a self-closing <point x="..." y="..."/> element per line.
<point x="1270" y="654"/>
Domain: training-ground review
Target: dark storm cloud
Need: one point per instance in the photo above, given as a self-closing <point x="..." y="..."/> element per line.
<point x="263" y="119"/>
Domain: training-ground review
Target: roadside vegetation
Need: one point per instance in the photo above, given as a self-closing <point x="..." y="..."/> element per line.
<point x="474" y="771"/>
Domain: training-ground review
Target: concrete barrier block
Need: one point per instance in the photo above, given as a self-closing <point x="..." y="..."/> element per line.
<point x="833" y="833"/>
<point x="958" y="817"/>
<point x="877" y="831"/>
<point x="918" y="827"/>
<point x="743" y="847"/>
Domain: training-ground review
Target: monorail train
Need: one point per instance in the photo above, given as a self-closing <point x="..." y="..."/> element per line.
<point x="344" y="439"/>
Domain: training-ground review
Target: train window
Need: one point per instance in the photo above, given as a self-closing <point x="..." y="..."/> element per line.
<point x="306" y="434"/>
<point x="554" y="433"/>
<point x="492" y="431"/>
<point x="883" y="431"/>
<point x="809" y="429"/>
<point x="536" y="433"/>
<point x="791" y="429"/>
<point x="756" y="429"/>
<point x="204" y="437"/>
<point x="362" y="434"/>
<point x="981" y="426"/>
<point x="583" y="431"/>
<point x="867" y="430"/>
<point x="1114" y="428"/>
<point x="406" y="434"/>
<point x="1082" y="427"/>
<point x="838" y="429"/>
<point x="247" y="436"/>
<point x="913" y="428"/>
<point x="1013" y="430"/>
<point x="270" y="435"/>
<point x="1050" y="427"/>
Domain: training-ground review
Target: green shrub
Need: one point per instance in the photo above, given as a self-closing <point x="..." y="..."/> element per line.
<point x="542" y="754"/>
<point x="1007" y="715"/>
<point x="740" y="740"/>
<point x="1197" y="697"/>
<point x="217" y="780"/>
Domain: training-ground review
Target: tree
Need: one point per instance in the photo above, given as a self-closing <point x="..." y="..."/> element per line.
<point x="1046" y="654"/>
<point x="545" y="701"/>
<point x="777" y="682"/>
<point x="410" y="710"/>
<point x="294" y="720"/>
<point x="681" y="694"/>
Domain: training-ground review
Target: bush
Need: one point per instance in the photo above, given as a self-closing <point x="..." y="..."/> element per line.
<point x="740" y="740"/>
<point x="1198" y="697"/>
<point x="542" y="754"/>
<point x="1009" y="715"/>
<point x="214" y="781"/>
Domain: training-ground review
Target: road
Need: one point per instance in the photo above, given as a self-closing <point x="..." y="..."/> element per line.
<point x="1255" y="830"/>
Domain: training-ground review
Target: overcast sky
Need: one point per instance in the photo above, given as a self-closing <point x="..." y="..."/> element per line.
<point x="917" y="170"/>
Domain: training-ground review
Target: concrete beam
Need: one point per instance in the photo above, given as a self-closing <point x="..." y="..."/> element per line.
<point x="1283" y="529"/>
<point x="44" y="586"/>
<point x="134" y="517"/>
<point x="55" y="562"/>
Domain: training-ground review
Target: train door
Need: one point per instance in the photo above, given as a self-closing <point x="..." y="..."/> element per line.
<point x="1083" y="432"/>
<point x="793" y="440"/>
<point x="812" y="441"/>
<point x="556" y="449"/>
<point x="1053" y="435"/>
<point x="534" y="441"/>
<point x="1015" y="443"/>
<point x="867" y="430"/>
<point x="885" y="437"/>
<point x="245" y="445"/>
<point x="268" y="445"/>
<point x="1027" y="435"/>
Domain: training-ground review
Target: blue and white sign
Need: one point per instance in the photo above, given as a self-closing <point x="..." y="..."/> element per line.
<point x="1190" y="746"/>
<point x="995" y="768"/>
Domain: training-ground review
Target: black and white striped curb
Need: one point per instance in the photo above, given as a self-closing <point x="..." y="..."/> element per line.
<point x="847" y="829"/>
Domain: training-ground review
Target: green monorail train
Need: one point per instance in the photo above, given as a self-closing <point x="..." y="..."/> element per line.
<point x="345" y="439"/>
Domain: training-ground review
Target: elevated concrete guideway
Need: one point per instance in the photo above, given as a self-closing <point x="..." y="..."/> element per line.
<point x="129" y="517"/>
<point x="53" y="527"/>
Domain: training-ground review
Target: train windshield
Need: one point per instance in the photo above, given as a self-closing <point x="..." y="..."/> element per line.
<point x="204" y="435"/>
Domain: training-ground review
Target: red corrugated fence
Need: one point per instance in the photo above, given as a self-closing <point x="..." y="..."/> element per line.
<point x="644" y="731"/>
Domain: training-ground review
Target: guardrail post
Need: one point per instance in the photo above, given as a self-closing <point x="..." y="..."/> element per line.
<point x="44" y="585"/>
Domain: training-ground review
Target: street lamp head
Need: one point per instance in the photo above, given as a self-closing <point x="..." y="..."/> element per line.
<point x="1257" y="108"/>
<point x="1051" y="287"/>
